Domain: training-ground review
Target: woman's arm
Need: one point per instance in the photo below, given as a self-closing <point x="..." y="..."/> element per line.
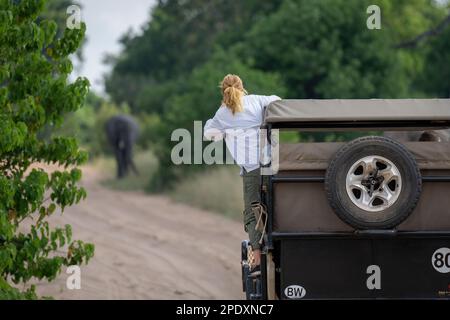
<point x="266" y="100"/>
<point x="213" y="129"/>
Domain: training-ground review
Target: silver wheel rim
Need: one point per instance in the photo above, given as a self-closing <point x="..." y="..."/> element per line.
<point x="373" y="183"/>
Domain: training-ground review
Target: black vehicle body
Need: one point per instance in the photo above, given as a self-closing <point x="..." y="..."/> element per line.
<point x="309" y="253"/>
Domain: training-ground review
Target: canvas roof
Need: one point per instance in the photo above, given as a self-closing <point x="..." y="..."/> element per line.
<point x="358" y="110"/>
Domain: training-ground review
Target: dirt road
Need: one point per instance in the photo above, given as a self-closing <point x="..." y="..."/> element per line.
<point x="148" y="247"/>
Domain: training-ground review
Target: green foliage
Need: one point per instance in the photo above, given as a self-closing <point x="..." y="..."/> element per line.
<point x="436" y="78"/>
<point x="180" y="36"/>
<point x="34" y="92"/>
<point x="56" y="10"/>
<point x="405" y="19"/>
<point x="9" y="293"/>
<point x="322" y="53"/>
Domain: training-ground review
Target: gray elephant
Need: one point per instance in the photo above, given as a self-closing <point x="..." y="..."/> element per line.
<point x="431" y="135"/>
<point x="122" y="132"/>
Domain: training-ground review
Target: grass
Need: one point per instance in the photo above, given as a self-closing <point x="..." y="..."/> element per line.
<point x="146" y="163"/>
<point x="217" y="189"/>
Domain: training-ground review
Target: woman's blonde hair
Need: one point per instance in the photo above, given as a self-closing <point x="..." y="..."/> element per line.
<point x="233" y="91"/>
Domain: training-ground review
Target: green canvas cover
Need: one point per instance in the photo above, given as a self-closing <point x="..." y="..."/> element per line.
<point x="358" y="110"/>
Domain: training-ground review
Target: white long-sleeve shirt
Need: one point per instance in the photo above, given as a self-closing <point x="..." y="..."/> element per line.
<point x="241" y="130"/>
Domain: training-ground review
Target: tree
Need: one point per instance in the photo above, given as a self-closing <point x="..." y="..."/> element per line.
<point x="34" y="91"/>
<point x="326" y="51"/>
<point x="427" y="45"/>
<point x="180" y="36"/>
<point x="440" y="28"/>
<point x="415" y="26"/>
<point x="56" y="10"/>
<point x="436" y="77"/>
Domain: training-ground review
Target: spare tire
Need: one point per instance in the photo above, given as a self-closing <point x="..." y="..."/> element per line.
<point x="373" y="183"/>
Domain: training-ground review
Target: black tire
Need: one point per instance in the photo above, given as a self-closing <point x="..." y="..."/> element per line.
<point x="407" y="195"/>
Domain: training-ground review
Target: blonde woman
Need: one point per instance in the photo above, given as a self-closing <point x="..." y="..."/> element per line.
<point x="239" y="119"/>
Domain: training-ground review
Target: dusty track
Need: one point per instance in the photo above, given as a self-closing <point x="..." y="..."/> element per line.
<point x="148" y="247"/>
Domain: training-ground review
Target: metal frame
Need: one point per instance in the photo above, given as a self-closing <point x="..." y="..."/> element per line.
<point x="370" y="234"/>
<point x="318" y="179"/>
<point x="376" y="125"/>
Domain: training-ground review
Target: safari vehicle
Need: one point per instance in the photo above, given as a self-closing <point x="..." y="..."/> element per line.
<point x="365" y="219"/>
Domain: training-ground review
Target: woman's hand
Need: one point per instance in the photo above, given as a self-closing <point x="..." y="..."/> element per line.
<point x="256" y="258"/>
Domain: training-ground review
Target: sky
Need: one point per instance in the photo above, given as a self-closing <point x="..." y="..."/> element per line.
<point x="107" y="21"/>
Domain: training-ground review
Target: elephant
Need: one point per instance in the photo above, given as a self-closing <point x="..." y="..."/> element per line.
<point x="122" y="132"/>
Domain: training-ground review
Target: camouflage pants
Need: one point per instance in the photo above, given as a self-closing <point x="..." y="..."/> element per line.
<point x="252" y="186"/>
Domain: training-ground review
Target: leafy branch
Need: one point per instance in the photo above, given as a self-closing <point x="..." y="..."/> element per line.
<point x="34" y="93"/>
<point x="425" y="35"/>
